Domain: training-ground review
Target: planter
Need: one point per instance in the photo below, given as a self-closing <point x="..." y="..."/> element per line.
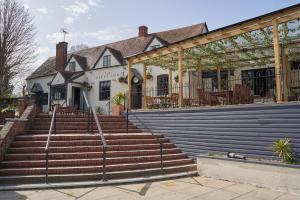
<point x="8" y="114"/>
<point x="262" y="173"/>
<point x="117" y="110"/>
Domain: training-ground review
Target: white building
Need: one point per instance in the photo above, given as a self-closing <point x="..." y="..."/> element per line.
<point x="101" y="70"/>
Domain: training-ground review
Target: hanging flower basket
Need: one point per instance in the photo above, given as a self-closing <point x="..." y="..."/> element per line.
<point x="122" y="79"/>
<point x="149" y="75"/>
<point x="176" y="78"/>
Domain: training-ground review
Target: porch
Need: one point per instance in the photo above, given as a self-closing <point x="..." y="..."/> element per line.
<point x="251" y="62"/>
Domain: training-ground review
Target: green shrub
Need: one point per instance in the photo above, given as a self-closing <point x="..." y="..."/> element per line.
<point x="118" y="99"/>
<point x="283" y="149"/>
<point x="99" y="110"/>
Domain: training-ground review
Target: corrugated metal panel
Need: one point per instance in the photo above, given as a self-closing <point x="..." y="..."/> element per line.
<point x="246" y="130"/>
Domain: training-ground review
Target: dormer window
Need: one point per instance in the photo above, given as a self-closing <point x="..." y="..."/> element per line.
<point x="72" y="66"/>
<point x="154" y="47"/>
<point x="106" y="61"/>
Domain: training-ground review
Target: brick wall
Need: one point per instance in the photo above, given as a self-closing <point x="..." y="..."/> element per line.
<point x="15" y="127"/>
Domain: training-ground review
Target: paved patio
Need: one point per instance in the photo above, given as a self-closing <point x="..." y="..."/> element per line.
<point x="181" y="189"/>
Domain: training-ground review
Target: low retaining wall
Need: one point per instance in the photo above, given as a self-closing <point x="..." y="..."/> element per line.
<point x="14" y="127"/>
<point x="277" y="176"/>
<point x="247" y="129"/>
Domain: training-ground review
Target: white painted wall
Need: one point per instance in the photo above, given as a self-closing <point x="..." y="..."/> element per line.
<point x="77" y="66"/>
<point x="114" y="61"/>
<point x="43" y="81"/>
<point x="154" y="42"/>
<point x="58" y="79"/>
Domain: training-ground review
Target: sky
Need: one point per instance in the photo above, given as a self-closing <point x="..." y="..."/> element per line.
<point x="97" y="22"/>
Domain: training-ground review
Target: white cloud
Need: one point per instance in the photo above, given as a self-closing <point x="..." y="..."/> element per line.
<point x="107" y="34"/>
<point x="69" y="20"/>
<point x="42" y="50"/>
<point x="43" y="11"/>
<point x="74" y="10"/>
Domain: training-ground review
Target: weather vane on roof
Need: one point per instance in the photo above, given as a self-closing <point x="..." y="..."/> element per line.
<point x="64" y="32"/>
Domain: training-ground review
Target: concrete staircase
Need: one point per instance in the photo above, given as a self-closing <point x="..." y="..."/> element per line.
<point x="76" y="155"/>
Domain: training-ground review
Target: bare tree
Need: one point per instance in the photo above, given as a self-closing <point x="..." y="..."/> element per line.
<point x="17" y="49"/>
<point x="78" y="47"/>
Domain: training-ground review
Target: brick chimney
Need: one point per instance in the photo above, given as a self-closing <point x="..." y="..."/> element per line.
<point x="61" y="56"/>
<point x="143" y="31"/>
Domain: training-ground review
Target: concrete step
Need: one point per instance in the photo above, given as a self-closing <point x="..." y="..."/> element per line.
<point x="137" y="147"/>
<point x="97" y="142"/>
<point x="46" y="131"/>
<point x="92" y="169"/>
<point x="56" y="137"/>
<point x="85" y="155"/>
<point x="89" y="161"/>
<point x="83" y="127"/>
<point x="128" y="176"/>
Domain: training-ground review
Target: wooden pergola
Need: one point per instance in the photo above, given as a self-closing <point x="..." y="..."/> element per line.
<point x="268" y="20"/>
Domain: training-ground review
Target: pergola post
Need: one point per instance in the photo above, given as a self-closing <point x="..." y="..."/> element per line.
<point x="219" y="78"/>
<point x="277" y="61"/>
<point x="285" y="73"/>
<point x="170" y="82"/>
<point x="180" y="76"/>
<point x="200" y="80"/>
<point x="129" y="84"/>
<point x="144" y="86"/>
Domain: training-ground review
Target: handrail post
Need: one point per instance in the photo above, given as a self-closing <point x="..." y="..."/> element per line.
<point x="104" y="164"/>
<point x="161" y="156"/>
<point x="127" y="120"/>
<point x="47" y="154"/>
<point x="92" y="124"/>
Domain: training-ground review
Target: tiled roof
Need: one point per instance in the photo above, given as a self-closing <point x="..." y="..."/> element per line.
<point x="123" y="48"/>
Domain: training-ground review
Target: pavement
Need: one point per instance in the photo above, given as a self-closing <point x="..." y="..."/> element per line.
<point x="191" y="188"/>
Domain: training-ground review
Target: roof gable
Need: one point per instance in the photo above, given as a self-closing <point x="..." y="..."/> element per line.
<point x="116" y="60"/>
<point x="126" y="48"/>
<point x="155" y="41"/>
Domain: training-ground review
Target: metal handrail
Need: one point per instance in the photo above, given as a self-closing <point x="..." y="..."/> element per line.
<point x="53" y="123"/>
<point x="104" y="143"/>
<point x="158" y="139"/>
<point x="149" y="130"/>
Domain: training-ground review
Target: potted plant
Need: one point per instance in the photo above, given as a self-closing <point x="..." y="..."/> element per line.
<point x="117" y="101"/>
<point x="99" y="110"/>
<point x="9" y="112"/>
<point x="149" y="75"/>
<point x="122" y="79"/>
<point x="176" y="78"/>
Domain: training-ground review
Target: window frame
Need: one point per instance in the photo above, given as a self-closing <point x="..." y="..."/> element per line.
<point x="72" y="64"/>
<point x="103" y="92"/>
<point x="106" y="61"/>
<point x="162" y="90"/>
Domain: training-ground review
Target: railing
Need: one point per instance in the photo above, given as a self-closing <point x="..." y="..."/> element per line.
<point x="148" y="129"/>
<point x="92" y="114"/>
<point x="53" y="124"/>
<point x="246" y="87"/>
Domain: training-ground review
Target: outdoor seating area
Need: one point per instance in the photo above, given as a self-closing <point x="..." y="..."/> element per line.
<point x="232" y="91"/>
<point x="254" y="61"/>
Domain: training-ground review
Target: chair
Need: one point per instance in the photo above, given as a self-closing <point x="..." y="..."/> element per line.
<point x="205" y="98"/>
<point x="242" y="95"/>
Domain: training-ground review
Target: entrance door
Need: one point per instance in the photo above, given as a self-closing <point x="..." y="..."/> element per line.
<point x="136" y="95"/>
<point x="76" y="97"/>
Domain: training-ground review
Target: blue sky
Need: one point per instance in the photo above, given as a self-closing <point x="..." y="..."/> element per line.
<point x="96" y="22"/>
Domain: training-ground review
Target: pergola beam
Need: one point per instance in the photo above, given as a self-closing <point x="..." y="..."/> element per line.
<point x="261" y="22"/>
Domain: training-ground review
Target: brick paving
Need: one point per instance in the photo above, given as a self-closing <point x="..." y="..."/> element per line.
<point x="191" y="188"/>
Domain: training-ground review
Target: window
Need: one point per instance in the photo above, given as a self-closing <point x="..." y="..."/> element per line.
<point x="58" y="93"/>
<point x="106" y="61"/>
<point x="72" y="66"/>
<point x="163" y="84"/>
<point x="295" y="65"/>
<point x="154" y="47"/>
<point x="104" y="90"/>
